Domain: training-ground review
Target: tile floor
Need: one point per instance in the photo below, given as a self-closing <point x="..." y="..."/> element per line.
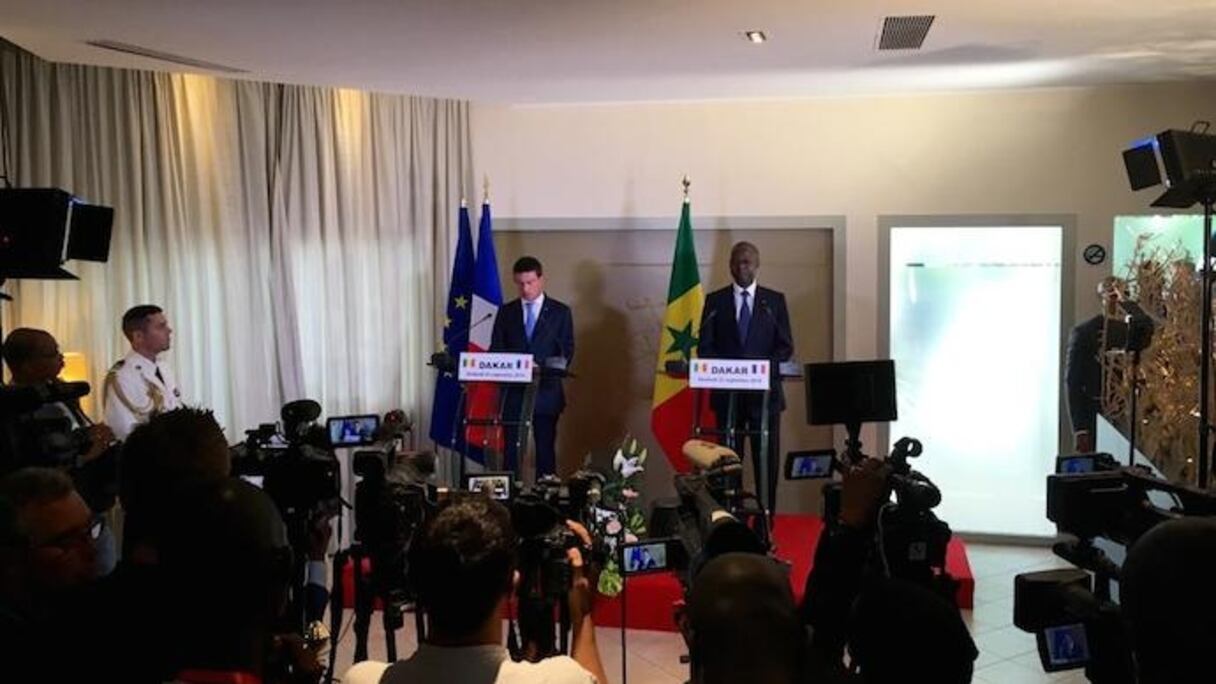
<point x="1007" y="655"/>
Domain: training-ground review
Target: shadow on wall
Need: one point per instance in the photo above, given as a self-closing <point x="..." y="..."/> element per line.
<point x="601" y="395"/>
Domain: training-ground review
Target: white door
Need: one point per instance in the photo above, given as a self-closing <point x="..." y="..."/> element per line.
<point x="975" y="335"/>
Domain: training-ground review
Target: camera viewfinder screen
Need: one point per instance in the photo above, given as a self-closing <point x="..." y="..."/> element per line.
<point x="1066" y="645"/>
<point x="808" y="466"/>
<point x="640" y="558"/>
<point x="497" y="486"/>
<point x="1075" y="464"/>
<point x="345" y="431"/>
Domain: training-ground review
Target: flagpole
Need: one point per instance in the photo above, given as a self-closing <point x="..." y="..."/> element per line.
<point x="686" y="183"/>
<point x="485" y="189"/>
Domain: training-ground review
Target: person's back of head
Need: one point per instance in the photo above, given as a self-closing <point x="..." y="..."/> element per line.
<point x="1169" y="601"/>
<point x="224" y="568"/>
<point x="902" y="632"/>
<point x="462" y="565"/>
<point x="172" y="452"/>
<point x="744" y="622"/>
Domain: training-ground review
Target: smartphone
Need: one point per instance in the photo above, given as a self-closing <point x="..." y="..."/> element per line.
<point x="809" y="465"/>
<point x="651" y="555"/>
<point x="1063" y="647"/>
<point x="496" y="485"/>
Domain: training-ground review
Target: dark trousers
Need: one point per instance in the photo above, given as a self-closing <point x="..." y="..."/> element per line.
<point x="544" y="434"/>
<point x="747" y="418"/>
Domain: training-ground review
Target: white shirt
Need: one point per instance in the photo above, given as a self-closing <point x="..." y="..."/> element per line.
<point x="751" y="298"/>
<point x="468" y="665"/>
<point x="536" y="307"/>
<point x="134" y="392"/>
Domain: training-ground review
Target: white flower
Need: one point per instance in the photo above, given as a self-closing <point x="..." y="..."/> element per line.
<point x="629" y="493"/>
<point x="618" y="461"/>
<point x="631" y="467"/>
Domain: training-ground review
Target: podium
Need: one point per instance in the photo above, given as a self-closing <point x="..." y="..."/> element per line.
<point x="735" y="378"/>
<point x="515" y="379"/>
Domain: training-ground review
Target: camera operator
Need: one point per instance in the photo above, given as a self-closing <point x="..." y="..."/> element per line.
<point x="47" y="559"/>
<point x="1168" y="600"/>
<point x="58" y="434"/>
<point x="464" y="569"/>
<point x="844" y="605"/>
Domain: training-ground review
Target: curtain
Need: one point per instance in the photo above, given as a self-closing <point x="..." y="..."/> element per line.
<point x="297" y="237"/>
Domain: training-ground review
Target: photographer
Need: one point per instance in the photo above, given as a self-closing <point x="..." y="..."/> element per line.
<point x="464" y="568"/>
<point x="895" y="630"/>
<point x="58" y="434"/>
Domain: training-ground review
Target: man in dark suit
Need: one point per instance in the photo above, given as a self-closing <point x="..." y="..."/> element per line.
<point x="1083" y="366"/>
<point x="543" y="327"/>
<point x="745" y="321"/>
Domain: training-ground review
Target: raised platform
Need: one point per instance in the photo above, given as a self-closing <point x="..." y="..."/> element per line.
<point x="650" y="597"/>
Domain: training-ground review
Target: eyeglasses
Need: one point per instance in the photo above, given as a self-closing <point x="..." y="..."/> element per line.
<point x="77" y="537"/>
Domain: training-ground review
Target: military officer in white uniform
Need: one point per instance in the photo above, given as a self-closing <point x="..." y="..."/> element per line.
<point x="140" y="386"/>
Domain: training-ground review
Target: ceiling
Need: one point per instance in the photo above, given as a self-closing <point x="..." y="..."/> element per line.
<point x="557" y="51"/>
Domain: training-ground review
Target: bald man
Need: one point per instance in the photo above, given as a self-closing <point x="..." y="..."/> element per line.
<point x="1083" y="364"/>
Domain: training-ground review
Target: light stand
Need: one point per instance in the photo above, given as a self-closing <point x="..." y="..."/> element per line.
<point x="1205" y="338"/>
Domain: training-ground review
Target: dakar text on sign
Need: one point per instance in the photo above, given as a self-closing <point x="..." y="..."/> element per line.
<point x="729" y="374"/>
<point x="487" y="367"/>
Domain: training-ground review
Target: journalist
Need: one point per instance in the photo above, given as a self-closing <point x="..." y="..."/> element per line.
<point x="47" y="559"/>
<point x="744" y="624"/>
<point x="58" y="434"/>
<point x="225" y="566"/>
<point x="464" y="569"/>
<point x="895" y="631"/>
<point x="1169" y="601"/>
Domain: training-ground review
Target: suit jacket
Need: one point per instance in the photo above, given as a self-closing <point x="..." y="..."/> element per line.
<point x="1083" y="370"/>
<point x="552" y="336"/>
<point x="768" y="336"/>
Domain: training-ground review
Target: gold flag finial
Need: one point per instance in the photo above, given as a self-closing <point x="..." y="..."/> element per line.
<point x="464" y="203"/>
<point x="485" y="189"/>
<point x="686" y="183"/>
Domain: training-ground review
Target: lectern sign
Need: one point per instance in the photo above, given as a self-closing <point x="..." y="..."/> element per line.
<point x="494" y="367"/>
<point x="729" y="374"/>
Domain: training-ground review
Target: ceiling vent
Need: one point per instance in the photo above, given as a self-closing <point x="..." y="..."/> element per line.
<point x="139" y="51"/>
<point x="904" y="33"/>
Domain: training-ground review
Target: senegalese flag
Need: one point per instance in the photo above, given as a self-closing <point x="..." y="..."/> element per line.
<point x="671" y="409"/>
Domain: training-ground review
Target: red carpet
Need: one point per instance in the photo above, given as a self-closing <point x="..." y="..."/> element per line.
<point x="650" y="597"/>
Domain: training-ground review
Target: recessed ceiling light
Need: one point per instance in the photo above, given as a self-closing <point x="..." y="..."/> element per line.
<point x="756" y="37"/>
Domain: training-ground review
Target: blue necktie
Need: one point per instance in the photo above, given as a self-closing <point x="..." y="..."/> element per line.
<point x="529" y="319"/>
<point x="745" y="317"/>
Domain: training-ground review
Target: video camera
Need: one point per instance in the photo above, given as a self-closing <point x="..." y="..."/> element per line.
<point x="712" y="513"/>
<point x="912" y="540"/>
<point x="294" y="464"/>
<point x="1071" y="612"/>
<point x="43" y="425"/>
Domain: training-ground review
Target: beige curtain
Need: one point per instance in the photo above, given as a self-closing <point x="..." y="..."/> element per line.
<point x="297" y="237"/>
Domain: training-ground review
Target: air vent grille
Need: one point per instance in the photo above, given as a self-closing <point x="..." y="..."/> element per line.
<point x="904" y="33"/>
<point x="140" y="51"/>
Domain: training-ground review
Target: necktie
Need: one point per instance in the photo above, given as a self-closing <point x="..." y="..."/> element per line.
<point x="529" y="319"/>
<point x="159" y="376"/>
<point x="745" y="317"/>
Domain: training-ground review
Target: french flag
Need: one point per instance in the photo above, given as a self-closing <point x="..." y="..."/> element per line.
<point x="487" y="298"/>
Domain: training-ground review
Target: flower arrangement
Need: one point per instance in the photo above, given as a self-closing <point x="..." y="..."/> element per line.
<point x="622" y="520"/>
